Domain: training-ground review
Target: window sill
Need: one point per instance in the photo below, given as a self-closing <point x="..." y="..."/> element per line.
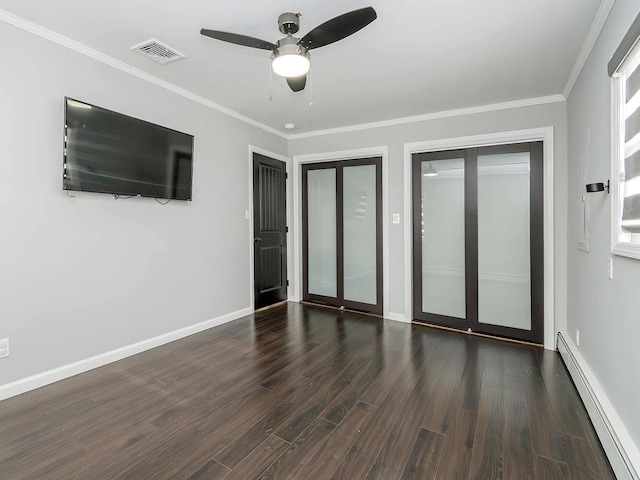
<point x="627" y="249"/>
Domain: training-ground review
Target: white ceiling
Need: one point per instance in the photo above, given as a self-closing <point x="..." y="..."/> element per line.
<point x="418" y="57"/>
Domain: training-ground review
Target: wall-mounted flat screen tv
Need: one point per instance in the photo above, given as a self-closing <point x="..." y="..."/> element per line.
<point x="109" y="152"/>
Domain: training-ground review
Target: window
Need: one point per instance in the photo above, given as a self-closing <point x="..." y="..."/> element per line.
<point x="624" y="69"/>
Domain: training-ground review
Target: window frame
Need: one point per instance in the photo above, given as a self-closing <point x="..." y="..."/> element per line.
<point x="622" y="243"/>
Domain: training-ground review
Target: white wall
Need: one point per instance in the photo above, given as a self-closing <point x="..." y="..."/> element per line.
<point x="396" y="136"/>
<point x="83" y="276"/>
<point x="605" y="311"/>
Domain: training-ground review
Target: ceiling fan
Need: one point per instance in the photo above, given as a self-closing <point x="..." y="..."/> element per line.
<point x="290" y="55"/>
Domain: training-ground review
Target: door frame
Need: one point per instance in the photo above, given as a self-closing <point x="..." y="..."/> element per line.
<point x="295" y="286"/>
<point x="339" y="301"/>
<point x="471" y="321"/>
<point x="248" y="214"/>
<point x="544" y="134"/>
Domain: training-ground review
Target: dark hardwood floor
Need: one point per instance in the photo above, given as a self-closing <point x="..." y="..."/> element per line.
<point x="302" y="392"/>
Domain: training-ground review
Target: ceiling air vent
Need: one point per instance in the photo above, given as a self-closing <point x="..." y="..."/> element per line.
<point x="158" y="51"/>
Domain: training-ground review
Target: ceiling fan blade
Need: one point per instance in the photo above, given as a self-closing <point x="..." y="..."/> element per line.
<point x="297" y="83"/>
<point x="243" y="40"/>
<point x="338" y="28"/>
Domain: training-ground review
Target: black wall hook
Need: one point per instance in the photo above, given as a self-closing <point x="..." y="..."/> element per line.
<point x="598" y="187"/>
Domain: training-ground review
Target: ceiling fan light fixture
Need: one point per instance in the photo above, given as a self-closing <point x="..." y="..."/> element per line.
<point x="290" y="61"/>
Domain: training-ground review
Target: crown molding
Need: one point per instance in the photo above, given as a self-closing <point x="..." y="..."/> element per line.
<point x="594" y="32"/>
<point x="125" y="67"/>
<point x="527" y="102"/>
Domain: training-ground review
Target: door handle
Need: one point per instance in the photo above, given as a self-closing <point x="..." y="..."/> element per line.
<point x="257" y="239"/>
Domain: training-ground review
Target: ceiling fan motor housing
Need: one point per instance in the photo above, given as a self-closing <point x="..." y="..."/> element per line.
<point x="289" y="46"/>
<point x="289" y="23"/>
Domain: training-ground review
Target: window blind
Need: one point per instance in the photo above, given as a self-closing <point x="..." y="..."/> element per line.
<point x="625" y="64"/>
<point x="631" y="114"/>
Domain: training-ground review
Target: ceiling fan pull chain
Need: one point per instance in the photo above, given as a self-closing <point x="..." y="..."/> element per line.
<point x="310" y="87"/>
<point x="270" y="83"/>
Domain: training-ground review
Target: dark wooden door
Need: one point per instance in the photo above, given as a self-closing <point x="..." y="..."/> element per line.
<point x="269" y="231"/>
<point x="478" y="261"/>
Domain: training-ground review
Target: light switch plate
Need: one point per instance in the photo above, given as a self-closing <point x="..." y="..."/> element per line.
<point x="396" y="218"/>
<point x="4" y="347"/>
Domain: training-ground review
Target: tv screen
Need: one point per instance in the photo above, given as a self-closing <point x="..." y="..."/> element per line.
<point x="109" y="152"/>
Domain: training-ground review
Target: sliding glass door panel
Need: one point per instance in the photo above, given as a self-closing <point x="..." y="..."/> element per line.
<point x="504" y="266"/>
<point x="359" y="234"/>
<point x="322" y="233"/>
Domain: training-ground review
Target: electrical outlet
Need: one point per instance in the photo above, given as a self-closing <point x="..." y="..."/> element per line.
<point x="4" y="347"/>
<point x="577" y="337"/>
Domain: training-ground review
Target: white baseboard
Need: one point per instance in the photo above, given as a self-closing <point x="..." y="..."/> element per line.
<point x="45" y="378"/>
<point x="397" y="317"/>
<point x="620" y="448"/>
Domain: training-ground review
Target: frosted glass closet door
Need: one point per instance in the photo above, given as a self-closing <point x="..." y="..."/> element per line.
<point x="322" y="222"/>
<point x="359" y="212"/>
<point x="443" y="237"/>
<point x="504" y="253"/>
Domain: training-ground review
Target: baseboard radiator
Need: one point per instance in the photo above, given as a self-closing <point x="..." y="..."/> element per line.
<point x="622" y="452"/>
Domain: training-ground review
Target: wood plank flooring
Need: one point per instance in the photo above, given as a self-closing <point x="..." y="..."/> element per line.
<point x="303" y="392"/>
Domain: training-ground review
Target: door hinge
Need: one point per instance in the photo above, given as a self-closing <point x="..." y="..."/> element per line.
<point x="286" y="175"/>
<point x="287" y="283"/>
<point x="286" y="229"/>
